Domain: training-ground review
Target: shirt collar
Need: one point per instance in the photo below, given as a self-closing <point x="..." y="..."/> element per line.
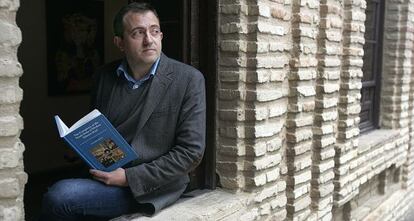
<point x="123" y="70"/>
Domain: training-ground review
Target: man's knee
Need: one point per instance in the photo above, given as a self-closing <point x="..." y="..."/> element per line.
<point x="60" y="199"/>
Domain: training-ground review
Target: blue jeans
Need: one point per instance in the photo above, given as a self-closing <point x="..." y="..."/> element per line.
<point x="82" y="199"/>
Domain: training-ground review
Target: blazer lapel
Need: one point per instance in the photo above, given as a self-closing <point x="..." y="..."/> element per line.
<point x="157" y="90"/>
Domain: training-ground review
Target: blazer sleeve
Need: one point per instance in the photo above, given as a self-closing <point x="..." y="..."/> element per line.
<point x="188" y="148"/>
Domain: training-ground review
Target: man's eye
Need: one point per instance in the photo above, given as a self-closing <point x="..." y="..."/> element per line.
<point x="155" y="31"/>
<point x="138" y="33"/>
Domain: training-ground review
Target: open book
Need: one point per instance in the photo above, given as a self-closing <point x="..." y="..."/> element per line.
<point x="97" y="142"/>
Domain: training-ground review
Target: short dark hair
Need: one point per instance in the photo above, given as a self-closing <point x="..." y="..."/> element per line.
<point x="136" y="7"/>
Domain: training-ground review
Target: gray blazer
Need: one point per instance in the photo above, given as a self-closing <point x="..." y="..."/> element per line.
<point x="170" y="134"/>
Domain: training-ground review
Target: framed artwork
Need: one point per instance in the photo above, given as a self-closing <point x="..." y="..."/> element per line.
<point x="75" y="44"/>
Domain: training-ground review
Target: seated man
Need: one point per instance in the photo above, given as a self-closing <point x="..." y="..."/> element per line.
<point x="158" y="105"/>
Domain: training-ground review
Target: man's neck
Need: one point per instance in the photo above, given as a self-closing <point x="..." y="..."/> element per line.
<point x="138" y="71"/>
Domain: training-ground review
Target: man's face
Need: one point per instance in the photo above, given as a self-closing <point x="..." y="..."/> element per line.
<point x="141" y="41"/>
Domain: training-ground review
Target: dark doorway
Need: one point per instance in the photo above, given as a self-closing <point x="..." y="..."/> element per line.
<point x="189" y="29"/>
<point x="190" y="36"/>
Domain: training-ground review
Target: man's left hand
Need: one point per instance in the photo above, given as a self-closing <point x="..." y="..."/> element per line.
<point x="113" y="178"/>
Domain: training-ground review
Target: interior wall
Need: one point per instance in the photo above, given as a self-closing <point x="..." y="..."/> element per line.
<point x="44" y="149"/>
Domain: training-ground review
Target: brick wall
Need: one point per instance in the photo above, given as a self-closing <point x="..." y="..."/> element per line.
<point x="12" y="177"/>
<point x="289" y="101"/>
<point x="253" y="95"/>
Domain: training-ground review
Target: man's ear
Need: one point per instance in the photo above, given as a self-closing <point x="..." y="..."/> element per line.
<point x="119" y="43"/>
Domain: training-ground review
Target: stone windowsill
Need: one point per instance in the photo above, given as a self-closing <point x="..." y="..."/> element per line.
<point x="205" y="205"/>
<point x="367" y="142"/>
<point x="376" y="138"/>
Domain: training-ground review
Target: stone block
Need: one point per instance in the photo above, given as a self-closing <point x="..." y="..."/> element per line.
<point x="10" y="68"/>
<point x="233" y="9"/>
<point x="304" y="120"/>
<point x="301" y="134"/>
<point x="281" y="185"/>
<point x="264" y="95"/>
<point x="9" y="188"/>
<point x="264" y="10"/>
<point x="230" y="182"/>
<point x="233" y="46"/>
<point x="327" y="153"/>
<point x="335" y="22"/>
<point x="324" y="142"/>
<point x="331" y="9"/>
<point x="304" y="61"/>
<point x="299" y="191"/>
<point x="231" y="28"/>
<point x="265" y="209"/>
<point x="303" y="74"/>
<point x="278" y="109"/>
<point x="10" y="34"/>
<point x="279" y="202"/>
<point x="330" y="87"/>
<point x="324" y="190"/>
<point x="266" y="129"/>
<point x="10" y="157"/>
<point x="323" y="166"/>
<point x="13" y="213"/>
<point x="300" y="163"/>
<point x="258" y="47"/>
<point x="326" y="102"/>
<point x="280" y="13"/>
<point x="331" y="48"/>
<point x="271" y="29"/>
<point x="10" y="93"/>
<point x="10" y="125"/>
<point x="326" y="116"/>
<point x="299" y="205"/>
<point x="326" y="177"/>
<point x="300" y="178"/>
<point x="274" y="144"/>
<point x="259" y="179"/>
<point x="311" y="4"/>
<point x="307" y="49"/>
<point x="268" y="161"/>
<point x="267" y="192"/>
<point x="280" y="215"/>
<point x="329" y="74"/>
<point x="326" y="129"/>
<point x="268" y="61"/>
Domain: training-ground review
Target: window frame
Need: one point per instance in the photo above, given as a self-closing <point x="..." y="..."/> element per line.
<point x="371" y="122"/>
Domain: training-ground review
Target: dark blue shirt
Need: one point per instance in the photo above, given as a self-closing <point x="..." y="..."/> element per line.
<point x="123" y="69"/>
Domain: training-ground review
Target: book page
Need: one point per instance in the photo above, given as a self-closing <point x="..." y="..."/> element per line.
<point x="84" y="120"/>
<point x="62" y="128"/>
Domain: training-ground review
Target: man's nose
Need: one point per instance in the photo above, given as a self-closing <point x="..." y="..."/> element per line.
<point x="148" y="39"/>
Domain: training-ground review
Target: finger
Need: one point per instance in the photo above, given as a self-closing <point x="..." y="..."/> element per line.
<point x="98" y="173"/>
<point x="98" y="179"/>
<point x="103" y="180"/>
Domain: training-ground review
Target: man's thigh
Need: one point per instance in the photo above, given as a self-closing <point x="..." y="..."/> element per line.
<point x="79" y="197"/>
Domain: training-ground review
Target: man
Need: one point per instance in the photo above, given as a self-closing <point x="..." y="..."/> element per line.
<point x="158" y="105"/>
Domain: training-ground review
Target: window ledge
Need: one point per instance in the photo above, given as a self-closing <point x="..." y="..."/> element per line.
<point x="205" y="205"/>
<point x="376" y="138"/>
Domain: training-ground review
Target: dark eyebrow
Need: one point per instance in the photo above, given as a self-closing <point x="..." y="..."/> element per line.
<point x="136" y="28"/>
<point x="143" y="28"/>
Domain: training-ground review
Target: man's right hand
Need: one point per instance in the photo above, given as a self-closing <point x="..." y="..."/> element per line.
<point x="113" y="178"/>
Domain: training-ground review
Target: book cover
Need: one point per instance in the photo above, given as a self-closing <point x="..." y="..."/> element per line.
<point x="97" y="142"/>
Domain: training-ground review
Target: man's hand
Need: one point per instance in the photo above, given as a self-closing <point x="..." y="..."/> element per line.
<point x="114" y="178"/>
